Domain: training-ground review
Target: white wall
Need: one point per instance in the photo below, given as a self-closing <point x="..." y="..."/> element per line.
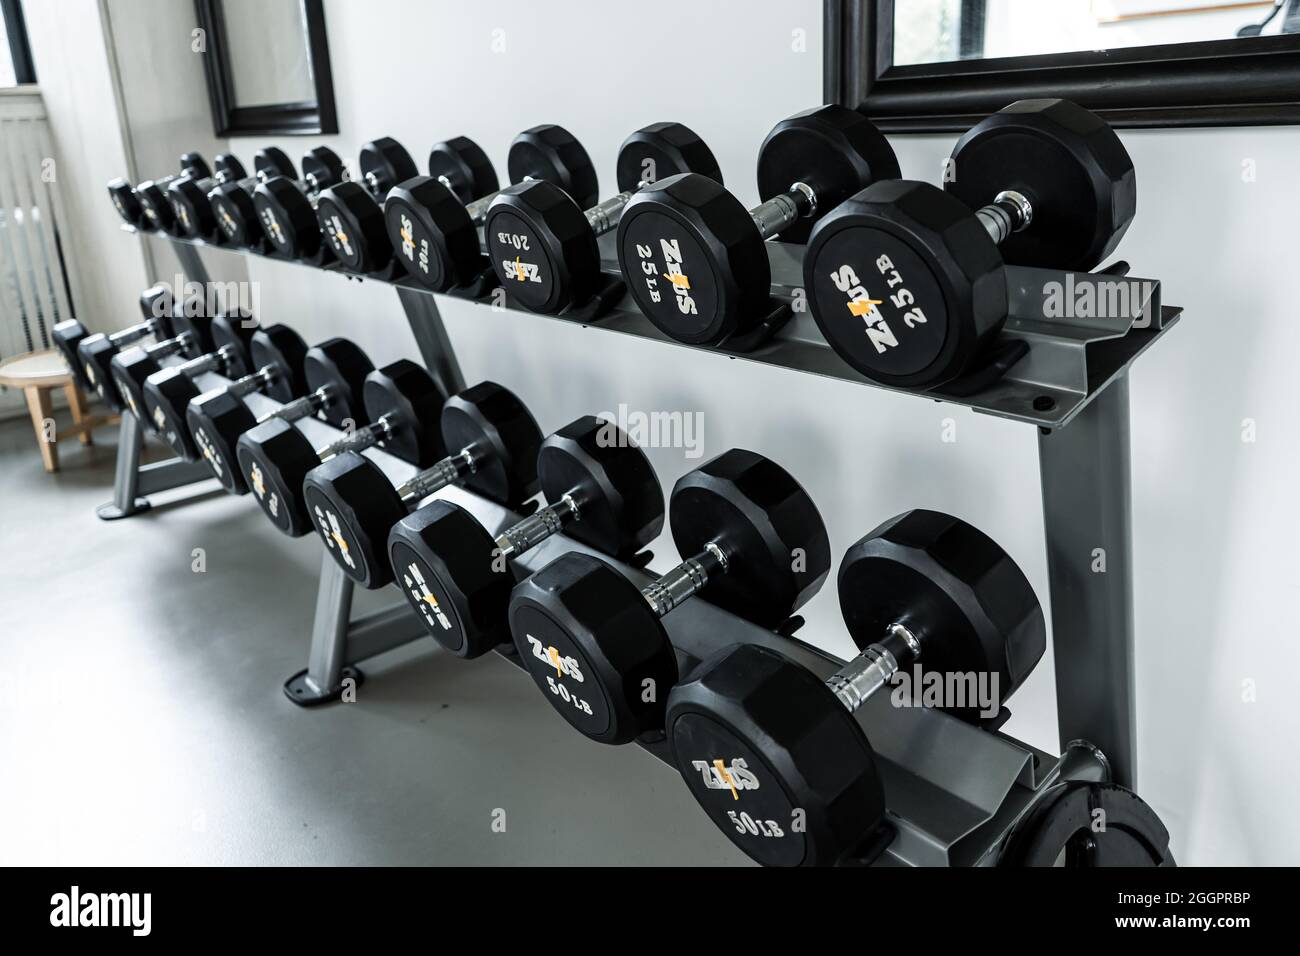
<point x="1214" y="515"/>
<point x="73" y="67"/>
<point x="166" y="107"/>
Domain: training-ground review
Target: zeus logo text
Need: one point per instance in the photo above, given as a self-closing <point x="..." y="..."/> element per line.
<point x="567" y="666"/>
<point x="521" y="271"/>
<point x="862" y="306"/>
<point x="133" y="910"/>
<point x="719" y="775"/>
<point x="673" y="269"/>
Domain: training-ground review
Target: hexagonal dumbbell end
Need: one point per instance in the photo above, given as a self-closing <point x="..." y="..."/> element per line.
<point x="432" y="234"/>
<point x="695" y="264"/>
<point x="619" y="500"/>
<point x="353" y="225"/>
<point x="167" y="394"/>
<point x="542" y="247"/>
<point x="551" y="153"/>
<point x="905" y="284"/>
<point x="600" y="490"/>
<point x="287" y="218"/>
<point x="461" y="165"/>
<point x="236" y="215"/>
<point x="126" y="202"/>
<point x="1071" y="166"/>
<point x="341" y="367"/>
<point x="215" y="422"/>
<point x="491" y="423"/>
<point x="354" y="506"/>
<point x="157" y="210"/>
<point x="774" y="759"/>
<point x="131" y="368"/>
<point x="407" y="397"/>
<point x="194" y="210"/>
<point x="661" y="150"/>
<point x="970" y="607"/>
<point x="594" y="647"/>
<point x="67" y="335"/>
<point x="454" y="575"/>
<point x="833" y="149"/>
<point x="95" y="354"/>
<point x="274" y="459"/>
<point x="384" y="163"/>
<point x="767" y="524"/>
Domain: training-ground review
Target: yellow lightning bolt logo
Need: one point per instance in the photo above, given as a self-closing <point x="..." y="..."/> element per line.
<point x="519" y="274"/>
<point x="726" y="778"/>
<point x="679" y="280"/>
<point x="338" y="539"/>
<point x="863" y="306"/>
<point x="553" y="656"/>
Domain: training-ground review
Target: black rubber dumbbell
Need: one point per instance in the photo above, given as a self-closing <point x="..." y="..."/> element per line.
<point x="286" y="208"/>
<point x="193" y="334"/>
<point x="602" y="491"/>
<point x="763" y="743"/>
<point x="907" y="281"/>
<point x="433" y="220"/>
<point x="333" y="373"/>
<point x="696" y="260"/>
<point x="542" y="242"/>
<point x="169" y="391"/>
<point x="593" y="640"/>
<point x="156" y="202"/>
<point x="90" y="369"/>
<point x="492" y="442"/>
<point x="278" y="356"/>
<point x="351" y="215"/>
<point x="188" y="195"/>
<point x="231" y="201"/>
<point x="402" y="405"/>
<point x="145" y="206"/>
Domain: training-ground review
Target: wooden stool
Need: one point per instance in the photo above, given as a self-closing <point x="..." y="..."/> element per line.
<point x="37" y="373"/>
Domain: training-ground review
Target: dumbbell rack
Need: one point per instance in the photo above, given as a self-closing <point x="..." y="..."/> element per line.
<point x="953" y="790"/>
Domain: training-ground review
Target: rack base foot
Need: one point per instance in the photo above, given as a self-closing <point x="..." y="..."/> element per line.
<point x="303" y="691"/>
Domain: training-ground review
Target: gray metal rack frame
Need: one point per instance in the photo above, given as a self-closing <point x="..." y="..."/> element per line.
<point x="953" y="790"/>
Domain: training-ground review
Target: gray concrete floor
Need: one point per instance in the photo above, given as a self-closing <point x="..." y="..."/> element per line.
<point x="142" y="721"/>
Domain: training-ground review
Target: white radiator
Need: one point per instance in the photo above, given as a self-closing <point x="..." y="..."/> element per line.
<point x="34" y="266"/>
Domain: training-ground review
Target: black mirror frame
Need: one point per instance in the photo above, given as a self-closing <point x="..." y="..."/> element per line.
<point x="1235" y="82"/>
<point x="312" y="117"/>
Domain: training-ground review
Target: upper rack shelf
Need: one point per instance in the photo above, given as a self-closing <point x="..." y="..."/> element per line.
<point x="1067" y="361"/>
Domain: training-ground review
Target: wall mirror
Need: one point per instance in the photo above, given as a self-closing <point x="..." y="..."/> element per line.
<point x="941" y="64"/>
<point x="259" y="83"/>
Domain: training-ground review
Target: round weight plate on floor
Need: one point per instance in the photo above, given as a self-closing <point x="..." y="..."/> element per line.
<point x="1089" y="824"/>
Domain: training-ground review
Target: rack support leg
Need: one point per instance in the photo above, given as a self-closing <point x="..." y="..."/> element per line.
<point x="1088" y="518"/>
<point x="338" y="642"/>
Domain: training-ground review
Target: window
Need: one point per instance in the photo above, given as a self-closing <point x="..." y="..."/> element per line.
<point x="15" y="55"/>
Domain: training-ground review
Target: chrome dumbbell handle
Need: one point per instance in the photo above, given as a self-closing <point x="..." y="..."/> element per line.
<point x="1009" y="212"/>
<point x="537" y="527"/>
<point x="301" y="408"/>
<point x="210" y="362"/>
<point x="856" y="681"/>
<point x="689" y="577"/>
<point x="780" y="211"/>
<point x="446" y="472"/>
<point x="359" y="440"/>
